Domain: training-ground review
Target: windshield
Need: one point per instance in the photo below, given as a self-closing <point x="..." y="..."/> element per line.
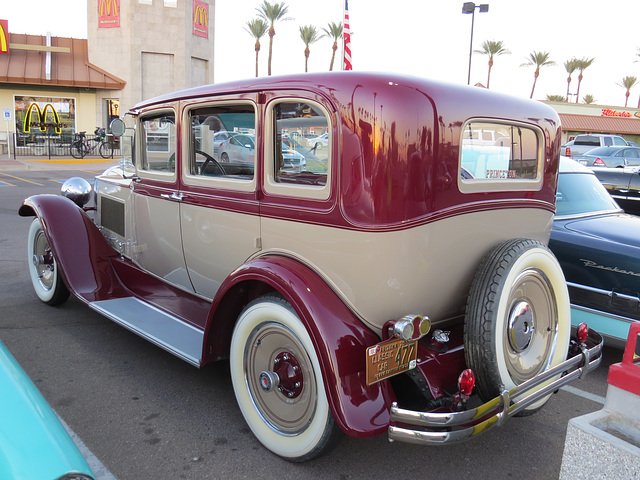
<point x="581" y="193"/>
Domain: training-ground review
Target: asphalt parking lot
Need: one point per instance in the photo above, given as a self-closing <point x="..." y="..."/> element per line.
<point x="145" y="414"/>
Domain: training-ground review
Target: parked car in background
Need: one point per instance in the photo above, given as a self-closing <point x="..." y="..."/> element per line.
<point x="321" y="141"/>
<point x="343" y="295"/>
<point x="33" y="442"/>
<point x="598" y="247"/>
<point x="624" y="186"/>
<point x="583" y="143"/>
<point x="610" y="157"/>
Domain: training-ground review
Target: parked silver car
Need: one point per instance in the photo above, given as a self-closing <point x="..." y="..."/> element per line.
<point x="610" y="157"/>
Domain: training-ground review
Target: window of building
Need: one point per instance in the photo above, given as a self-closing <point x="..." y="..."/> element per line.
<point x="500" y="156"/>
<point x="223" y="142"/>
<point x="158" y="143"/>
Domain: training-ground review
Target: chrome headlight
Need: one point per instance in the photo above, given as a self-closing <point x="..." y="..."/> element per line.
<point x="77" y="189"/>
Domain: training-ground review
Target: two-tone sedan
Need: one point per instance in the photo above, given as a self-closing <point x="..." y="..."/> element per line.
<point x="598" y="247"/>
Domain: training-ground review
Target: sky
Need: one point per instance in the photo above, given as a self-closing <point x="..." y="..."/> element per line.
<point x="426" y="38"/>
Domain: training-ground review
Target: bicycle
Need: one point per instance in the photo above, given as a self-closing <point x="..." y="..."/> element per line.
<point x="81" y="147"/>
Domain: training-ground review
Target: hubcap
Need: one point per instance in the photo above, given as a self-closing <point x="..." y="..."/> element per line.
<point x="521" y="326"/>
<point x="280" y="378"/>
<point x="531" y="325"/>
<point x="43" y="261"/>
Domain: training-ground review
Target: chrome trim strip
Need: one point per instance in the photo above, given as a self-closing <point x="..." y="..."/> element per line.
<point x="602" y="292"/>
<point x="159" y="327"/>
<point x="496" y="411"/>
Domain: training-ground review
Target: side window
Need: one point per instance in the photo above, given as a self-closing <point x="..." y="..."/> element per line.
<point x="223" y="142"/>
<point x="608" y="141"/>
<point x="301" y="144"/>
<point x="158" y="143"/>
<point x="619" y="141"/>
<point x="500" y="156"/>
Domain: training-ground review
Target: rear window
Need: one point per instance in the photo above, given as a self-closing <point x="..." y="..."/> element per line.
<point x="500" y="156"/>
<point x="587" y="140"/>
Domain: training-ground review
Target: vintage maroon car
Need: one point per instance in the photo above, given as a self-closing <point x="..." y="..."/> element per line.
<point x="367" y="292"/>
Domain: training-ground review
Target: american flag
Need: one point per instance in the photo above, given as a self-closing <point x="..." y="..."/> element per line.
<point x="346" y="35"/>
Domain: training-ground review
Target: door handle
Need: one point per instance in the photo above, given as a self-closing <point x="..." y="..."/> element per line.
<point x="173" y="196"/>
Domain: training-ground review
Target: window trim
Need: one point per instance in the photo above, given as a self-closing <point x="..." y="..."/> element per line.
<point x="141" y="154"/>
<point x="217" y="182"/>
<point x="271" y="186"/>
<point x="498" y="184"/>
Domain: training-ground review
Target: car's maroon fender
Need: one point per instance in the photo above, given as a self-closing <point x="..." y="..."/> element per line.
<point x="339" y="337"/>
<point x="81" y="252"/>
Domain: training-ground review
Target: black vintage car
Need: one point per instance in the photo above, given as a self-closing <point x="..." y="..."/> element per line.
<point x="598" y="247"/>
<point x="624" y="186"/>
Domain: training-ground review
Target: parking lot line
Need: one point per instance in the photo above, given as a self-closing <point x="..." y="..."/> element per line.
<point x="581" y="393"/>
<point x="21" y="179"/>
<point x="6" y="184"/>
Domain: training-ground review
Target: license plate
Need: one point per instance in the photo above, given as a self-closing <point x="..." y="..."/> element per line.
<point x="390" y="358"/>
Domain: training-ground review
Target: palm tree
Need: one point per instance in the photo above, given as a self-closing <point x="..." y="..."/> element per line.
<point x="538" y="60"/>
<point x="257" y="28"/>
<point x="556" y="98"/>
<point x="309" y="35"/>
<point x="588" y="99"/>
<point x="271" y="13"/>
<point x="583" y="63"/>
<point x="334" y="31"/>
<point x="628" y="83"/>
<point x="570" y="66"/>
<point x="492" y="48"/>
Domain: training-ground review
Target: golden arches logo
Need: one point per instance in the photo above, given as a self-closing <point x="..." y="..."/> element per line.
<point x="42" y="117"/>
<point x="4" y="33"/>
<point x="105" y="8"/>
<point x="201" y="16"/>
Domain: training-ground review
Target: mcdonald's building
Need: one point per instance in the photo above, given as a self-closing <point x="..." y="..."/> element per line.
<point x="134" y="50"/>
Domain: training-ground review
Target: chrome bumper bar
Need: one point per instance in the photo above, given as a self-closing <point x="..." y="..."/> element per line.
<point x="441" y="428"/>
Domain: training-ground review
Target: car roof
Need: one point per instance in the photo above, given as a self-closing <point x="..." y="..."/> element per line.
<point x="567" y="165"/>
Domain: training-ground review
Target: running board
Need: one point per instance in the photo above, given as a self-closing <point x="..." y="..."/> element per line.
<point x="155" y="325"/>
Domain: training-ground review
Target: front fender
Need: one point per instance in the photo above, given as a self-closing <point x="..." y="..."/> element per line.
<point x="339" y="337"/>
<point x="81" y="252"/>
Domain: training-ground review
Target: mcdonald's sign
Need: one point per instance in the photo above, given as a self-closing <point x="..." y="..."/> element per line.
<point x="4" y="36"/>
<point x="200" y="19"/>
<point x="108" y="13"/>
<point x="41" y="121"/>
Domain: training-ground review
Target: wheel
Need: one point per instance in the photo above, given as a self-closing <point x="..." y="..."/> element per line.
<point x="78" y="149"/>
<point x="210" y="159"/>
<point x="105" y="150"/>
<point x="45" y="277"/>
<point x="518" y="320"/>
<point x="278" y="383"/>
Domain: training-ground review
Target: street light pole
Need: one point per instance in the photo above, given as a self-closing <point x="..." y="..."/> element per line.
<point x="470" y="7"/>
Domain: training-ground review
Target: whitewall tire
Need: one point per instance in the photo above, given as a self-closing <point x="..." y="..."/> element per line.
<point x="278" y="382"/>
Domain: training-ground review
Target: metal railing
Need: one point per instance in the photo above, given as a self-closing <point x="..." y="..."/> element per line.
<point x="49" y="146"/>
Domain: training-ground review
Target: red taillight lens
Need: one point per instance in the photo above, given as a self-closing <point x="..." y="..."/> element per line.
<point x="583" y="332"/>
<point x="466" y="382"/>
<point x="568" y="153"/>
<point x="599" y="163"/>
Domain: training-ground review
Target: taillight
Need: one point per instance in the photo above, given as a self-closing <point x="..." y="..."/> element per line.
<point x="568" y="151"/>
<point x="466" y="382"/>
<point x="599" y="163"/>
<point x="583" y="332"/>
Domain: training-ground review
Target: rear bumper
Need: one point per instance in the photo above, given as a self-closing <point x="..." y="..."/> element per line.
<point x="435" y="428"/>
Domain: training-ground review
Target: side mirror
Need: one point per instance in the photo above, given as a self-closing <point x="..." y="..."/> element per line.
<point x="117" y="127"/>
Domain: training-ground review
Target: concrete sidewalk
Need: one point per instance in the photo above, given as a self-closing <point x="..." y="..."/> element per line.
<point x="45" y="163"/>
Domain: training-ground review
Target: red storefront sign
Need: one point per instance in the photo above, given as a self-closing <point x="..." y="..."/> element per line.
<point x="200" y="19"/>
<point x="4" y="36"/>
<point x="108" y="13"/>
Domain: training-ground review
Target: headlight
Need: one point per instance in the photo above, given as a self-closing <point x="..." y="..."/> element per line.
<point x="77" y="189"/>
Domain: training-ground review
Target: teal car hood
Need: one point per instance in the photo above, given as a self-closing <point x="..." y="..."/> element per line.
<point x="33" y="443"/>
